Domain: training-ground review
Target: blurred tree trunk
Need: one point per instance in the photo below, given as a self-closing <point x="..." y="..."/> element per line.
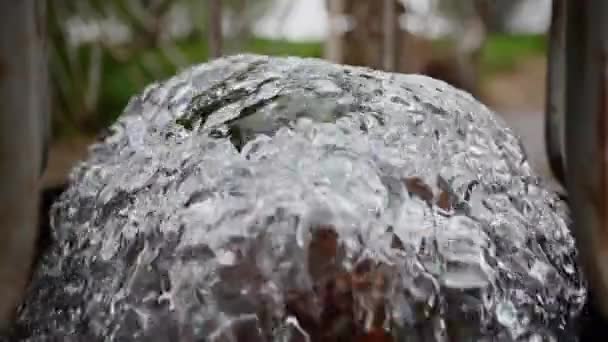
<point x="362" y="44"/>
<point x="391" y="29"/>
<point x="334" y="43"/>
<point x="243" y="23"/>
<point x="23" y="133"/>
<point x="215" y="28"/>
<point x="376" y="40"/>
<point x="367" y="44"/>
<point x="471" y="44"/>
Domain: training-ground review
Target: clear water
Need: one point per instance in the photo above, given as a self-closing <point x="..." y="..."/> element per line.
<point x="286" y="199"/>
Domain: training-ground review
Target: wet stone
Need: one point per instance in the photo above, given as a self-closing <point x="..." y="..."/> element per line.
<point x="285" y="199"/>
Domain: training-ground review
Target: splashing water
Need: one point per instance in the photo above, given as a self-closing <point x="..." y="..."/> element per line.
<point x="285" y="199"/>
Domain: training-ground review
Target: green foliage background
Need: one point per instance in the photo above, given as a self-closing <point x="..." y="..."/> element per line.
<point x="93" y="82"/>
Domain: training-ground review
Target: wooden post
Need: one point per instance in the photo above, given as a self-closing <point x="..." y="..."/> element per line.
<point x="555" y="100"/>
<point x="23" y="131"/>
<point x="215" y="28"/>
<point x="586" y="136"/>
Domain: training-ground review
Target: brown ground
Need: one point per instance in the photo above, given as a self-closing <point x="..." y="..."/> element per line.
<point x="64" y="154"/>
<point x="519" y="90"/>
<point x="519" y="96"/>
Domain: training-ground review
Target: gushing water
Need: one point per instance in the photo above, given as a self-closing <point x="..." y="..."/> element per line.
<point x="285" y="199"/>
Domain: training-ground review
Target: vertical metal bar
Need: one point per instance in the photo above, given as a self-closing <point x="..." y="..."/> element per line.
<point x="390" y="27"/>
<point x="587" y="139"/>
<point x="23" y="121"/>
<point x="215" y="28"/>
<point x="556" y="91"/>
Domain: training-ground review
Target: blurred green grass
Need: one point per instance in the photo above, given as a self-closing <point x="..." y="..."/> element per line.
<point x="503" y="52"/>
<point x="121" y="79"/>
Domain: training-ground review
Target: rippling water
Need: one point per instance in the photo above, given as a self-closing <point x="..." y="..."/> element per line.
<point x="286" y="199"/>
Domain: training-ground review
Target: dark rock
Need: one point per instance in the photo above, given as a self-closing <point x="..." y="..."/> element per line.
<point x="267" y="199"/>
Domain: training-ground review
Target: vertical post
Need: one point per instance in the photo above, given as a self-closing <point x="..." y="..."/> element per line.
<point x="333" y="46"/>
<point x="215" y="37"/>
<point x="23" y="131"/>
<point x="587" y="139"/>
<point x="556" y="90"/>
<point x="391" y="33"/>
